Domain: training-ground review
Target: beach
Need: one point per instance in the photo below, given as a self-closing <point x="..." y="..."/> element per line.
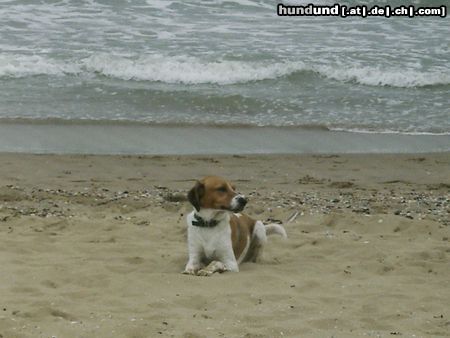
<point x="94" y="246"/>
<point x="336" y="127"/>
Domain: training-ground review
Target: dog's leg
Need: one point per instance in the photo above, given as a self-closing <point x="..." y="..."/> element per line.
<point x="193" y="264"/>
<point x="231" y="264"/>
<point x="196" y="253"/>
<point x="226" y="262"/>
<point x="191" y="268"/>
<point x="214" y="266"/>
<point x="259" y="239"/>
<point x="229" y="260"/>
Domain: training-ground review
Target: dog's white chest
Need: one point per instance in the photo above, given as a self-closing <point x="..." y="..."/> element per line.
<point x="210" y="248"/>
<point x="213" y="241"/>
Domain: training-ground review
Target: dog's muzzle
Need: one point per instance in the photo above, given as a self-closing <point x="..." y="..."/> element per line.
<point x="238" y="203"/>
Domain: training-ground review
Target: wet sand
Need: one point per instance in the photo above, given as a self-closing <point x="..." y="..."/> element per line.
<point x="127" y="138"/>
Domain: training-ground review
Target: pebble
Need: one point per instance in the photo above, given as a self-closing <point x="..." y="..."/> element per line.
<point x="47" y="202"/>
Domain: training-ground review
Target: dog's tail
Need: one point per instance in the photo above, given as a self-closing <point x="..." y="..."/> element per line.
<point x="278" y="229"/>
<point x="275" y="229"/>
<point x="260" y="233"/>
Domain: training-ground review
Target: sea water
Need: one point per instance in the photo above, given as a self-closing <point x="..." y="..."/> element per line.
<point x="223" y="63"/>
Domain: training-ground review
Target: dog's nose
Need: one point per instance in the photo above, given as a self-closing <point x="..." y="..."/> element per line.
<point x="242" y="200"/>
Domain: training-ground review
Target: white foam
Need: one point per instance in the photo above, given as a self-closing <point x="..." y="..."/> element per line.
<point x="388" y="131"/>
<point x="17" y="66"/>
<point x="248" y="3"/>
<point x="191" y="70"/>
<point x="184" y="70"/>
<point x="187" y="70"/>
<point x="159" y="4"/>
<point x="373" y="76"/>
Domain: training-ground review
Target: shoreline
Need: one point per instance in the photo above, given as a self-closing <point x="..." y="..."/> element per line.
<point x="49" y="138"/>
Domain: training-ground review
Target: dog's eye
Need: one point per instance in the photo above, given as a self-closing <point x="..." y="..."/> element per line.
<point x="222" y="189"/>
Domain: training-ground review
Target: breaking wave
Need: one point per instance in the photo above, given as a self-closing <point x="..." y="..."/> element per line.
<point x="191" y="70"/>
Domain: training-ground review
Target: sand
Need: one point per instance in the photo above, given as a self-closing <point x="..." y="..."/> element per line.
<point x="93" y="246"/>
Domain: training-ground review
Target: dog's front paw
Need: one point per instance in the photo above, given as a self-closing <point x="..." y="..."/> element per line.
<point x="205" y="273"/>
<point x="188" y="271"/>
<point x="214" y="266"/>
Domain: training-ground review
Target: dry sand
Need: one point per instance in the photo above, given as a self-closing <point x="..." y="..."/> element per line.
<point x="93" y="246"/>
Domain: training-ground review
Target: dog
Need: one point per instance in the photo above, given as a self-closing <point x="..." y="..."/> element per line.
<point x="219" y="235"/>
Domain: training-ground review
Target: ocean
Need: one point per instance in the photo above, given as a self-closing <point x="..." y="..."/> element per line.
<point x="222" y="63"/>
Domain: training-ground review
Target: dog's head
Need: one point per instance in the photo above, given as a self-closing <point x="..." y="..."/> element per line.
<point x="214" y="192"/>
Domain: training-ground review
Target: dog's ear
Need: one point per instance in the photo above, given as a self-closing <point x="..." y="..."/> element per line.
<point x="195" y="194"/>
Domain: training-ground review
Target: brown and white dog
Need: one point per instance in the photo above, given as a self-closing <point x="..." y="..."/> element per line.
<point x="219" y="236"/>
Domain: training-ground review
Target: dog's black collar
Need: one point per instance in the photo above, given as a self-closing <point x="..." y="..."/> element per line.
<point x="202" y="223"/>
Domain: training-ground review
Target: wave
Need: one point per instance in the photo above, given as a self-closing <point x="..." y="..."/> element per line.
<point x="142" y="123"/>
<point x="18" y="66"/>
<point x="373" y="76"/>
<point x="190" y="70"/>
<point x="388" y="131"/>
<point x="156" y="68"/>
<point x="145" y="123"/>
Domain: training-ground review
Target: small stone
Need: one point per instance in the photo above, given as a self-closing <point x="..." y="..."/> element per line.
<point x="175" y="197"/>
